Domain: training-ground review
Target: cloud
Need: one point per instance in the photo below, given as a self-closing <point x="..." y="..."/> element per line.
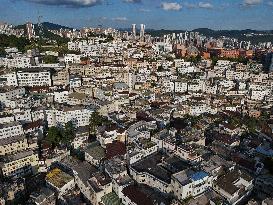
<point x="202" y="5"/>
<point x="205" y="5"/>
<point x="144" y="10"/>
<point x="120" y="19"/>
<point x="251" y="2"/>
<point x="132" y="1"/>
<point x="69" y="3"/>
<point x="171" y="6"/>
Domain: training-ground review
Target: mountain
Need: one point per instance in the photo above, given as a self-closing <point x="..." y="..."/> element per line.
<point x="46" y="25"/>
<point x="242" y="35"/>
<point x="52" y="26"/>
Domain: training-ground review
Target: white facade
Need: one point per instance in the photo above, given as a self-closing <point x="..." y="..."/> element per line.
<point x="34" y="78"/>
<point x="10" y="129"/>
<point x="9" y="79"/>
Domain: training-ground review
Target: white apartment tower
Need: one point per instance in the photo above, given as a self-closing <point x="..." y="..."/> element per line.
<point x="142" y="30"/>
<point x="134" y="30"/>
<point x="30" y="30"/>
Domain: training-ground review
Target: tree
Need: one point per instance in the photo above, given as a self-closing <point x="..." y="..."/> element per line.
<point x="54" y="136"/>
<point x="2" y="52"/>
<point x="69" y="132"/>
<point x="13" y="41"/>
<point x="49" y="59"/>
<point x="97" y="120"/>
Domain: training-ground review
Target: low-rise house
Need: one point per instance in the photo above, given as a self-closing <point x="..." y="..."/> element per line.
<point x="81" y="138"/>
<point x="235" y="185"/>
<point x="44" y="196"/>
<point x="59" y="181"/>
<point x="100" y="184"/>
<point x="132" y="195"/>
<point x="115" y="167"/>
<point x="188" y="153"/>
<point x="148" y="171"/>
<point x="94" y="154"/>
<point x="190" y="183"/>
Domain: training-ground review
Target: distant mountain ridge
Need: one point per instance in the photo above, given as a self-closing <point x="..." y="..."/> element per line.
<point x="46" y="25"/>
<point x="242" y="35"/>
<point x="207" y="31"/>
<point x="53" y="26"/>
<point x="239" y="34"/>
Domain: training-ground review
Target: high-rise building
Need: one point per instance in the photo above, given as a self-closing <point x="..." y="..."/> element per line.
<point x="142" y="30"/>
<point x="30" y="30"/>
<point x="134" y="30"/>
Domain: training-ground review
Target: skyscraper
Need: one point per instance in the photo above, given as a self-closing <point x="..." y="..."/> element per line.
<point x="30" y="30"/>
<point x="142" y="30"/>
<point x="134" y="30"/>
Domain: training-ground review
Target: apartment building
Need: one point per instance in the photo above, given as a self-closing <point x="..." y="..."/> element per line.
<point x="19" y="164"/>
<point x="10" y="129"/>
<point x="34" y="77"/>
<point x="190" y="183"/>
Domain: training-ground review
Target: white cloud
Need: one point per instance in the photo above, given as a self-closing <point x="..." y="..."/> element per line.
<point x="120" y="19"/>
<point x="202" y="5"/>
<point x="144" y="10"/>
<point x="72" y="3"/>
<point x="205" y="5"/>
<point x="132" y="1"/>
<point x="251" y="2"/>
<point x="171" y="6"/>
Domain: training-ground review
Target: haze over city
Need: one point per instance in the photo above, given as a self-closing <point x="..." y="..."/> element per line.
<point x="156" y="14"/>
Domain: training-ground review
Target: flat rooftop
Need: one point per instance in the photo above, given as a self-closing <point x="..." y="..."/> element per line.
<point x="151" y="165"/>
<point x="58" y="178"/>
<point x="96" y="151"/>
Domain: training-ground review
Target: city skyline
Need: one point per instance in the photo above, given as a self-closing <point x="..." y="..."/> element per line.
<point x="161" y="14"/>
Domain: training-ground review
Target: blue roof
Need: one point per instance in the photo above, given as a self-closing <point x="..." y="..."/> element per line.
<point x="262" y="150"/>
<point x="198" y="175"/>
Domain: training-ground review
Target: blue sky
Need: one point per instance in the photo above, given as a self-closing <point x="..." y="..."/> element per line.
<point x="157" y="14"/>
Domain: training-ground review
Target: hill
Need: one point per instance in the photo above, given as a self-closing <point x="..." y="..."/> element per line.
<point x="52" y="26"/>
<point x="242" y="35"/>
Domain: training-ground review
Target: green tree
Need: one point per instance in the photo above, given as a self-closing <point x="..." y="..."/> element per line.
<point x="54" y="136"/>
<point x="97" y="120"/>
<point x="49" y="59"/>
<point x="2" y="52"/>
<point x="69" y="132"/>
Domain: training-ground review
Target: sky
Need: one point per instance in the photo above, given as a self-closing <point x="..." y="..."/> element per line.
<point x="155" y="14"/>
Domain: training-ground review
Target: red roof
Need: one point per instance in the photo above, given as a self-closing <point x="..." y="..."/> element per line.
<point x="32" y="125"/>
<point x="115" y="149"/>
<point x="136" y="195"/>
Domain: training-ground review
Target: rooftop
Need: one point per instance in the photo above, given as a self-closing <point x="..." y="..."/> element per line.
<point x="58" y="178"/>
<point x="96" y="151"/>
<point x="151" y="165"/>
